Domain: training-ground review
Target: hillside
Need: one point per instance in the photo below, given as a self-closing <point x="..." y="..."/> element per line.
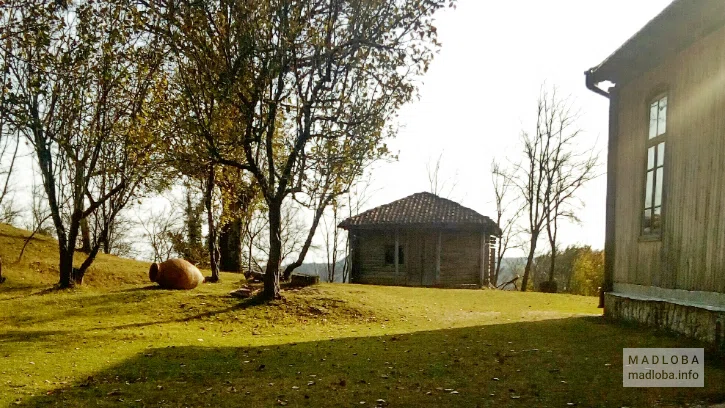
<point x="39" y="264"/>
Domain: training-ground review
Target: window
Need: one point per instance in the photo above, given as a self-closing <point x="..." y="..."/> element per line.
<point x="390" y="255"/>
<point x="652" y="216"/>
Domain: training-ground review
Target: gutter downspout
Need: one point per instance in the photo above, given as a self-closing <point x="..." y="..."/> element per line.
<point x="589" y="75"/>
<point x="609" y="234"/>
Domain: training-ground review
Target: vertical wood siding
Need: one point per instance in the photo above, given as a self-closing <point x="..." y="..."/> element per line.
<point x="460" y="258"/>
<point x="691" y="252"/>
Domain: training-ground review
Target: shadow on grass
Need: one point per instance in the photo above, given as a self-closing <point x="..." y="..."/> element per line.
<point x="13" y="287"/>
<point x="27" y="335"/>
<point x="545" y="363"/>
<point x="140" y="289"/>
<point x="237" y="305"/>
<point x="124" y="301"/>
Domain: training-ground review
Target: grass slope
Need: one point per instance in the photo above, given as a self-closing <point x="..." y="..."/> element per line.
<point x="120" y="342"/>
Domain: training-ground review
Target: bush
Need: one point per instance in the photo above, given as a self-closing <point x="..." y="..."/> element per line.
<point x="588" y="273"/>
<point x="548" y="287"/>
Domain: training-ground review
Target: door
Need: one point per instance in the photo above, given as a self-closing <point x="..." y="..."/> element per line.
<point x="414" y="263"/>
<point x="428" y="259"/>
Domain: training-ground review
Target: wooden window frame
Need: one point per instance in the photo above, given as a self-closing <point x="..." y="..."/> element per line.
<point x="657" y="143"/>
<point x="401" y="255"/>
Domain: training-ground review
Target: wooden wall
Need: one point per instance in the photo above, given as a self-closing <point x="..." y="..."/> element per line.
<point x="691" y="252"/>
<point x="460" y="258"/>
<point x="371" y="258"/>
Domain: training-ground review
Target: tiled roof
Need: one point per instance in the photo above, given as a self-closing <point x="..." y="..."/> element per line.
<point x="421" y="209"/>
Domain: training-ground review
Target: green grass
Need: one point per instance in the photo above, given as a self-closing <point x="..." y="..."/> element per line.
<point x="120" y="342"/>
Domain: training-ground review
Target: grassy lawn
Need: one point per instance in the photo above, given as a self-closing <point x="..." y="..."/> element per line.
<point x="120" y="342"/>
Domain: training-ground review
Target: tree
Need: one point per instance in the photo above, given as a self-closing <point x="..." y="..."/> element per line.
<point x="551" y="173"/>
<point x="332" y="239"/>
<point x="566" y="169"/>
<point x="82" y="78"/>
<point x="39" y="211"/>
<point x="564" y="268"/>
<point x="293" y="232"/>
<point x="357" y="198"/>
<point x="508" y="210"/>
<point x="588" y="272"/>
<point x="253" y="228"/>
<point x="9" y="145"/>
<point x="238" y="201"/>
<point x="159" y="228"/>
<point x="187" y="240"/>
<point x="211" y="237"/>
<point x="437" y="186"/>
<point x="308" y="89"/>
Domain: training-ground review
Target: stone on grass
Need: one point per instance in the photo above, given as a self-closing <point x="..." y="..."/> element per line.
<point x="243" y="293"/>
<point x="175" y="274"/>
<point x="297" y="280"/>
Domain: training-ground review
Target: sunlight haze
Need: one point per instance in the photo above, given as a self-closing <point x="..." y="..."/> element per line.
<point x="481" y="92"/>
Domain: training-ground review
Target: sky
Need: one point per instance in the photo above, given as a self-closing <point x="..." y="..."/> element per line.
<point x="481" y="92"/>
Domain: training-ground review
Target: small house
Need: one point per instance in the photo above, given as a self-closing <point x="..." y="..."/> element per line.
<point x="421" y="240"/>
<point x="665" y="208"/>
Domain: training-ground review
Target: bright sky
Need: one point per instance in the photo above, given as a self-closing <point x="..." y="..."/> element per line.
<point x="483" y="86"/>
<point x="481" y="91"/>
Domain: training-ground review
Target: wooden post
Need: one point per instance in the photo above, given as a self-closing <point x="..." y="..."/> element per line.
<point x="397" y="245"/>
<point x="609" y="234"/>
<point x="355" y="254"/>
<point x="483" y="278"/>
<point x="438" y="259"/>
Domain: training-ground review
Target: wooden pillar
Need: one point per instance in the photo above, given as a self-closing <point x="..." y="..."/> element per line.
<point x="483" y="278"/>
<point x="355" y="260"/>
<point x="397" y="245"/>
<point x="438" y="259"/>
<point x="609" y="233"/>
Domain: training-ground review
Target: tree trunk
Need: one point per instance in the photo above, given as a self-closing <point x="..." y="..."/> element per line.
<point x="552" y="264"/>
<point x="529" y="262"/>
<point x="2" y="278"/>
<point x="271" y="275"/>
<point x="66" y="267"/>
<point x="230" y="246"/>
<point x="85" y="236"/>
<point x="211" y="239"/>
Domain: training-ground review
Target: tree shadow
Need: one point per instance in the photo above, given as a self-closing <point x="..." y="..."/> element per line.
<point x="15" y="287"/>
<point x="141" y="288"/>
<point x="14" y="336"/>
<point x="544" y="363"/>
<point x="89" y="305"/>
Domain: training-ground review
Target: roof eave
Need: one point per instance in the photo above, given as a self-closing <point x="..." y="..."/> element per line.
<point x="679" y="25"/>
<point x="494" y="229"/>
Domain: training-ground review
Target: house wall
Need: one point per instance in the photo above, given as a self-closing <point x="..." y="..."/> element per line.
<point x="371" y="267"/>
<point x="460" y="258"/>
<point x="690" y="255"/>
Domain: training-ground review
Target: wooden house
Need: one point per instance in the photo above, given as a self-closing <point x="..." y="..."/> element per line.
<point x="665" y="225"/>
<point x="421" y="240"/>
